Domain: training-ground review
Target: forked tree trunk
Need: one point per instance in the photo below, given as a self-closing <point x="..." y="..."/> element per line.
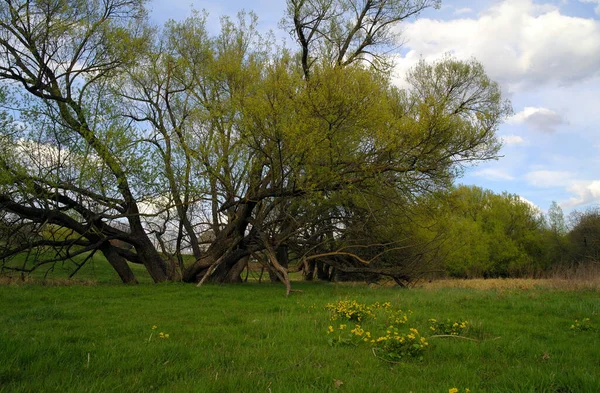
<point x="221" y="259"/>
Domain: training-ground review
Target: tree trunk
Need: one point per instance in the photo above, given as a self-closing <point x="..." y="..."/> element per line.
<point x="323" y="271"/>
<point x="155" y="265"/>
<point x="226" y="251"/>
<point x="231" y="267"/>
<point x="119" y="264"/>
<point x="309" y="274"/>
<point x="283" y="259"/>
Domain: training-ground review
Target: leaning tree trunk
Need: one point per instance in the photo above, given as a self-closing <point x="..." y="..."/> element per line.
<point x="155" y="265"/>
<point x="118" y="263"/>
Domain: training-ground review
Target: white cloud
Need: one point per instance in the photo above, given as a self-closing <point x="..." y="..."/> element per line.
<point x="597" y="9"/>
<point x="512" y="140"/>
<point x="541" y="119"/>
<point x="461" y="11"/>
<point x="533" y="205"/>
<point x="586" y="192"/>
<point x="493" y="174"/>
<point x="521" y="44"/>
<point x="549" y="179"/>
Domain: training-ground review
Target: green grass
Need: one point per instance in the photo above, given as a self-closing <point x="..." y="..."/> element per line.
<point x="95" y="269"/>
<point x="250" y="338"/>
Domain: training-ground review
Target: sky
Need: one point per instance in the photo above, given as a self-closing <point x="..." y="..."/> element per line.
<point x="545" y="54"/>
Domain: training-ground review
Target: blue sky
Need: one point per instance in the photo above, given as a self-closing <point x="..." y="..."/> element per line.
<point x="544" y="53"/>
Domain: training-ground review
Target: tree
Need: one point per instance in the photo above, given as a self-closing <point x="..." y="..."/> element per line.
<point x="493" y="235"/>
<point x="231" y="139"/>
<point x="57" y="56"/>
<point x="343" y="32"/>
<point x="584" y="236"/>
<point x="556" y="219"/>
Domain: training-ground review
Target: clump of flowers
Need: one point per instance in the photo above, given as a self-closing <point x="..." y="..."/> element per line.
<point x="584" y="325"/>
<point x="453" y="328"/>
<point x="351" y="310"/>
<point x="457" y="390"/>
<point x="160" y="335"/>
<point x="344" y="336"/>
<point x="397" y="317"/>
<point x="395" y="346"/>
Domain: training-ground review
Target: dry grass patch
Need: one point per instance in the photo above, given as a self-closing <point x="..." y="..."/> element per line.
<point x="58" y="282"/>
<point x="590" y="284"/>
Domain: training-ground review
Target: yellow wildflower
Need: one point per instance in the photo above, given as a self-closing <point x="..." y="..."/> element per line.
<point x="453" y="390"/>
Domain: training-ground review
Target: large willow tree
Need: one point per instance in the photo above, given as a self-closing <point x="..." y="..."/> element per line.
<point x="135" y="140"/>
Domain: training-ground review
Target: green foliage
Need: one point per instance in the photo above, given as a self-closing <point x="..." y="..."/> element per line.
<point x="395" y="347"/>
<point x="492" y="235"/>
<point x="584" y="237"/>
<point x="164" y="128"/>
<point x="449" y="327"/>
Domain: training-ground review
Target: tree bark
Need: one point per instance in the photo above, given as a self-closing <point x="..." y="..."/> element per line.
<point x="283" y="259"/>
<point x="323" y="271"/>
<point x="118" y="263"/>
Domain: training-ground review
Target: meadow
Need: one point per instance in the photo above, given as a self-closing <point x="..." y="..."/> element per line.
<point x="101" y="336"/>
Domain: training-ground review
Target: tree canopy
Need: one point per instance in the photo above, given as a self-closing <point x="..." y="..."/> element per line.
<point x="146" y="143"/>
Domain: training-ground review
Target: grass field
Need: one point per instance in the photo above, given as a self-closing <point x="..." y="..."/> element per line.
<point x="250" y="338"/>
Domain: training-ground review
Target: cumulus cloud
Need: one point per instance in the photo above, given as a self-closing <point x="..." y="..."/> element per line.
<point x="533" y="205"/>
<point x="493" y="174"/>
<point x="586" y="192"/>
<point x="521" y="44"/>
<point x="512" y="140"/>
<point x="549" y="179"/>
<point x="541" y="119"/>
<point x="597" y="2"/>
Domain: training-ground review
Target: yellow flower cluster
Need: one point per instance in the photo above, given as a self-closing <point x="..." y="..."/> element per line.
<point x="449" y="327"/>
<point x="456" y="390"/>
<point x="396" y="346"/>
<point x="358" y="331"/>
<point x="160" y="335"/>
<point x="584" y="325"/>
<point x="354" y="311"/>
<point x="351" y="310"/>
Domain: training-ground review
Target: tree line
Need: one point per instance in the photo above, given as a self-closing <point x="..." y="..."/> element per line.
<point x="502" y="235"/>
<point x="146" y="143"/>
